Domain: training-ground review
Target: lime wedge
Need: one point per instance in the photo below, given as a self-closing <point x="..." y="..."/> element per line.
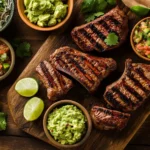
<point x="33" y="109"/>
<point x="27" y="87"/>
<point x="140" y="10"/>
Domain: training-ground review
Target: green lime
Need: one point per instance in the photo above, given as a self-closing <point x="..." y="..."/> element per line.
<point x="27" y="87"/>
<point x="33" y="109"/>
<point x="140" y="10"/>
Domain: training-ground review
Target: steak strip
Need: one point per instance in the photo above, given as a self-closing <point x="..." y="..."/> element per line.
<point x="57" y="85"/>
<point x="86" y="69"/>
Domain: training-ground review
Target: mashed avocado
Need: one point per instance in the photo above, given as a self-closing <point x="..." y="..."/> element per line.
<point x="45" y="13"/>
<point x="67" y="124"/>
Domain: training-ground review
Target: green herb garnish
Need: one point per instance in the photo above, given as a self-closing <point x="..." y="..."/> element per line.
<point x="95" y="8"/>
<point x="112" y="39"/>
<point x="23" y="49"/>
<point x="93" y="16"/>
<point x="2" y="121"/>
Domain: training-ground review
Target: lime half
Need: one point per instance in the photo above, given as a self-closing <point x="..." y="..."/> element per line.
<point x="33" y="109"/>
<point x="27" y="87"/>
<point x="140" y="10"/>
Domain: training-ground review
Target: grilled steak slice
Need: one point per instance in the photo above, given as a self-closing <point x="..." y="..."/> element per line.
<point x="91" y="36"/>
<point x="107" y="119"/>
<point x="86" y="69"/>
<point x="57" y="85"/>
<point x="132" y="89"/>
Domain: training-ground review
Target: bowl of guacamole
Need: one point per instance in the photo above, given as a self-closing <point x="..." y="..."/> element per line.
<point x="67" y="124"/>
<point x="45" y="15"/>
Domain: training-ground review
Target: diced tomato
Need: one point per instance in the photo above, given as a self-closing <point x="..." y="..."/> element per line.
<point x="1" y="66"/>
<point x="141" y="47"/>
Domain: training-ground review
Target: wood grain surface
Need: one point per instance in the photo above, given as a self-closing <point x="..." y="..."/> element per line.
<point x="98" y="139"/>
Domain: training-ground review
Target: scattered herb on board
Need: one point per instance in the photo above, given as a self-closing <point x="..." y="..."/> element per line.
<point x="92" y="9"/>
<point x="23" y="49"/>
<point x="2" y="121"/>
<point x="112" y="39"/>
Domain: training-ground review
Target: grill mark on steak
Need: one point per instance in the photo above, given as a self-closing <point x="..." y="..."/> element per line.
<point x="98" y="32"/>
<point x="115" y="21"/>
<point x="128" y="94"/>
<point x="86" y="69"/>
<point x="136" y="81"/>
<point x="55" y="83"/>
<point x="123" y="97"/>
<point x="91" y="39"/>
<point x="108" y="26"/>
<point x="75" y="71"/>
<point x="142" y="78"/>
<point x="78" y="67"/>
<point x="133" y="88"/>
<point x="107" y="119"/>
<point x="79" y="37"/>
<point x="132" y="91"/>
<point x="112" y="100"/>
<point x="91" y="66"/>
<point x="47" y="74"/>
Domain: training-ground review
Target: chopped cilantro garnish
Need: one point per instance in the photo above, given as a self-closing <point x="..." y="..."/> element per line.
<point x="23" y="49"/>
<point x="94" y="8"/>
<point x="112" y="39"/>
<point x="93" y="16"/>
<point x="2" y="121"/>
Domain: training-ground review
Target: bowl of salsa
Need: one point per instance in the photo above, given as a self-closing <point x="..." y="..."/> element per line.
<point x="140" y="38"/>
<point x="7" y="58"/>
<point x="67" y="124"/>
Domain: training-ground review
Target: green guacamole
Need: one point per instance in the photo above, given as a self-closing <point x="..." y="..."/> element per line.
<point x="45" y="13"/>
<point x="67" y="124"/>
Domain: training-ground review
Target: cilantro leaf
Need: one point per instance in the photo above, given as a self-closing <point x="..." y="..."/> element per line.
<point x="2" y="121"/>
<point x="87" y="6"/>
<point x="100" y="5"/>
<point x="23" y="49"/>
<point x="111" y="2"/>
<point x="112" y="39"/>
<point x="92" y="16"/>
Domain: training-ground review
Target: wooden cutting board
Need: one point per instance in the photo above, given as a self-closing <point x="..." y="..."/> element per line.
<point x="104" y="140"/>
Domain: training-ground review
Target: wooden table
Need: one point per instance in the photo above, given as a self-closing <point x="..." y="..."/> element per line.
<point x="15" y="139"/>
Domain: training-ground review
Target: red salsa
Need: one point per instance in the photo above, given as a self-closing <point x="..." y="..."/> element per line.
<point x="5" y="59"/>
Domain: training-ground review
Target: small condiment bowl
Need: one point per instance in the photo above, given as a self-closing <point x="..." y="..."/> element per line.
<point x="132" y="42"/>
<point x="10" y="17"/>
<point x="49" y="136"/>
<point x="12" y="54"/>
<point x="21" y="9"/>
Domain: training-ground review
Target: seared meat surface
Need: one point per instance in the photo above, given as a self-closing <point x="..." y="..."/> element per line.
<point x="106" y="119"/>
<point x="57" y="85"/>
<point x="86" y="69"/>
<point x="91" y="36"/>
<point x="132" y="89"/>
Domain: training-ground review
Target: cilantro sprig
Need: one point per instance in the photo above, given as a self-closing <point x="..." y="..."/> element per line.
<point x="23" y="49"/>
<point x="95" y="8"/>
<point x="112" y="39"/>
<point x="92" y="16"/>
<point x="2" y="121"/>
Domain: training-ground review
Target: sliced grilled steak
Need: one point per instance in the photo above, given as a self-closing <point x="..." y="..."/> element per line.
<point x="86" y="69"/>
<point x="106" y="119"/>
<point x="132" y="89"/>
<point x="57" y="85"/>
<point x="91" y="36"/>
